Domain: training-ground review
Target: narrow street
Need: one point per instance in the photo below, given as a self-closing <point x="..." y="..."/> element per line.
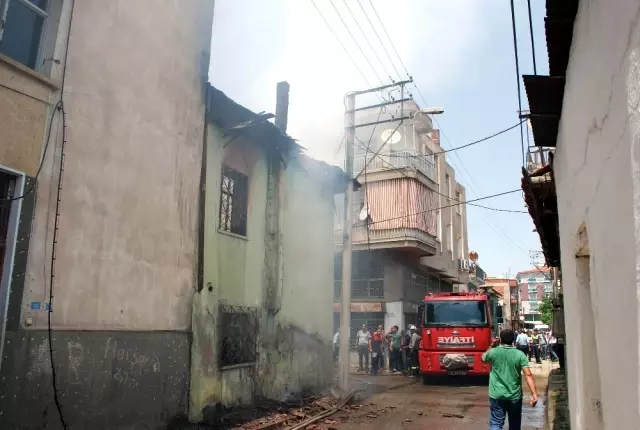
<point x="448" y="405"/>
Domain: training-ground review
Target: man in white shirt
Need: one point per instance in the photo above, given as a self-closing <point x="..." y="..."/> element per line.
<point x="414" y="345"/>
<point x="362" y="344"/>
<point x="336" y="345"/>
<point x="522" y="342"/>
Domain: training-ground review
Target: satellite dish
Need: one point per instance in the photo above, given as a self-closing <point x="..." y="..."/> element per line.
<point x="391" y="136"/>
<point x="364" y="213"/>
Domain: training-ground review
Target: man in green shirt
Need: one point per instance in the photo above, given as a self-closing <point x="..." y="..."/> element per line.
<point x="505" y="382"/>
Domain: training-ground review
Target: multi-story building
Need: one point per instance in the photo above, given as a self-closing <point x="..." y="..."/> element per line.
<point x="102" y="125"/>
<point x="534" y="285"/>
<point x="508" y="289"/>
<point x="410" y="232"/>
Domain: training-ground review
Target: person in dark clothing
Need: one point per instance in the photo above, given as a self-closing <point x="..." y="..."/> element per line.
<point x="375" y="348"/>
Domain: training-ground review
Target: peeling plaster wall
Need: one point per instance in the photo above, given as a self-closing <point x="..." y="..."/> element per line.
<point x="598" y="186"/>
<point x="294" y="345"/>
<point x="298" y="358"/>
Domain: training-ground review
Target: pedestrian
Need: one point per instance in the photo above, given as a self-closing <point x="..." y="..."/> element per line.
<point x="375" y="349"/>
<point x="395" y="355"/>
<point x="560" y="352"/>
<point x="414" y="346"/>
<point x="505" y="382"/>
<point x="544" y="346"/>
<point x="522" y="342"/>
<point x="553" y="348"/>
<point x="362" y="344"/>
<point x="529" y="336"/>
<point x="404" y="347"/>
<point x="336" y="345"/>
<point x="535" y="346"/>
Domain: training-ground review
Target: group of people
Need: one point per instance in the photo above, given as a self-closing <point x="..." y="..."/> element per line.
<point x="374" y="346"/>
<point x="538" y="345"/>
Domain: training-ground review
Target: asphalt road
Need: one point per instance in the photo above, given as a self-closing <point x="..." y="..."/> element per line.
<point x="396" y="402"/>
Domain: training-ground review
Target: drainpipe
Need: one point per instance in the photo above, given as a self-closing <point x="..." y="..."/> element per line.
<point x="281" y="119"/>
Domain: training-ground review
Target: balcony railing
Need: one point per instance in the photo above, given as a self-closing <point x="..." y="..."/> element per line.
<point x="360" y="236"/>
<point x="362" y="288"/>
<point x="398" y="160"/>
<point x="538" y="157"/>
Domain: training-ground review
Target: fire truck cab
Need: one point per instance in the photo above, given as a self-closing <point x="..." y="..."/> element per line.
<point x="456" y="329"/>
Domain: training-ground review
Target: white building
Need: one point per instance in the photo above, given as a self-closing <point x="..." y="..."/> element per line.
<point x="588" y="109"/>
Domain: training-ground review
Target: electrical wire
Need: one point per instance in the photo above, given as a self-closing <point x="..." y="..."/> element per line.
<point x="437" y="192"/>
<point x="366" y="163"/>
<point x="356" y="42"/>
<point x="515" y="53"/>
<point x="367" y="39"/>
<point x="475" y="142"/>
<point x="364" y="77"/>
<point x="32" y="187"/>
<point x="389" y="37"/>
<point x="380" y="39"/>
<point x="533" y="45"/>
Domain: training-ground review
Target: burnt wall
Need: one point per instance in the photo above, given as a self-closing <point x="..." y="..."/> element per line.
<point x="106" y="380"/>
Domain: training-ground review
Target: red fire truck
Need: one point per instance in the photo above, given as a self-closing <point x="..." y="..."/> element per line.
<point x="456" y="329"/>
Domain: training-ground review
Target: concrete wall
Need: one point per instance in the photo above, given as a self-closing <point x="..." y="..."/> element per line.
<point x="126" y="251"/>
<point x="598" y="176"/>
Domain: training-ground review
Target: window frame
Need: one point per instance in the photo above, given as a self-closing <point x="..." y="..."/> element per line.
<point x="44" y="14"/>
<point x="226" y="221"/>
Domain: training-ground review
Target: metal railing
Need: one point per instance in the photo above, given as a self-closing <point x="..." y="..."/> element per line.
<point x="360" y="236"/>
<point x="238" y="335"/>
<point x="538" y="157"/>
<point x="398" y="160"/>
<point x="362" y="288"/>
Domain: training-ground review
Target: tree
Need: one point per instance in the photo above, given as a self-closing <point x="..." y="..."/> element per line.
<point x="546" y="309"/>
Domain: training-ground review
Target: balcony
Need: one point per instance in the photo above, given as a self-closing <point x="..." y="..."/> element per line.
<point x="362" y="289"/>
<point x="537" y="158"/>
<point x="412" y="239"/>
<point x="407" y="159"/>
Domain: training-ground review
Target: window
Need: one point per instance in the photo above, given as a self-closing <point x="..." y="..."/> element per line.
<point x="234" y="196"/>
<point x="447" y="186"/>
<point x="532" y="288"/>
<point x="533" y="297"/>
<point x="28" y="27"/>
<point x="238" y="335"/>
<point x="458" y="313"/>
<point x="459" y="205"/>
<point x="449" y="236"/>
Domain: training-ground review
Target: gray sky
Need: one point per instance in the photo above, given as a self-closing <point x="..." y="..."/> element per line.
<point x="460" y="54"/>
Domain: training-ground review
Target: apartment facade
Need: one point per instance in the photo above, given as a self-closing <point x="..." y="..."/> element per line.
<point x="410" y="232"/>
<point x="533" y="284"/>
<point x="508" y="290"/>
<point x="109" y="98"/>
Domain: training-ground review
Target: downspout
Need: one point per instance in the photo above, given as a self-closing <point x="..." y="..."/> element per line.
<point x="281" y="119"/>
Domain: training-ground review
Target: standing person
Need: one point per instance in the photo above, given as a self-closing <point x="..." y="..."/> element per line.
<point x="395" y="355"/>
<point x="522" y="342"/>
<point x="414" y="346"/>
<point x="336" y="345"/>
<point x="535" y="346"/>
<point x="529" y="336"/>
<point x="544" y="346"/>
<point x="375" y="349"/>
<point x="560" y="352"/>
<point x="404" y="347"/>
<point x="553" y="343"/>
<point x="362" y="344"/>
<point x="505" y="382"/>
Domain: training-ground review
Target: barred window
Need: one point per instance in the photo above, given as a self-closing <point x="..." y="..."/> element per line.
<point x="234" y="196"/>
<point x="238" y="335"/>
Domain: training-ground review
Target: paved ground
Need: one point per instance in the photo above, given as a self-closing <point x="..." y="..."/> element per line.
<point x="396" y="402"/>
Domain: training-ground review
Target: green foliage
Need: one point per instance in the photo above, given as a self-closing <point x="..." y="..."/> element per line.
<point x="546" y="309"/>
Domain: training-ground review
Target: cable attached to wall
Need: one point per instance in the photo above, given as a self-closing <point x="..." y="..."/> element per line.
<point x="56" y="396"/>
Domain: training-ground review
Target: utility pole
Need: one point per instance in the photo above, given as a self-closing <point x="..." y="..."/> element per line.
<point x="345" y="303"/>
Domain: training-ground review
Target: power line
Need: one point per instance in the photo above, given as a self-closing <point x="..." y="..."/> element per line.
<point x="463" y="146"/>
<point x="389" y="37"/>
<point x="356" y="41"/>
<point x="533" y="45"/>
<point x="380" y="39"/>
<point x="366" y="38"/>
<point x="364" y="77"/>
<point x="515" y="53"/>
<point x="437" y="192"/>
<point x="448" y="206"/>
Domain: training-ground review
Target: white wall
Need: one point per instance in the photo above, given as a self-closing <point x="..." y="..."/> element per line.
<point x="126" y="252"/>
<point x="598" y="185"/>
